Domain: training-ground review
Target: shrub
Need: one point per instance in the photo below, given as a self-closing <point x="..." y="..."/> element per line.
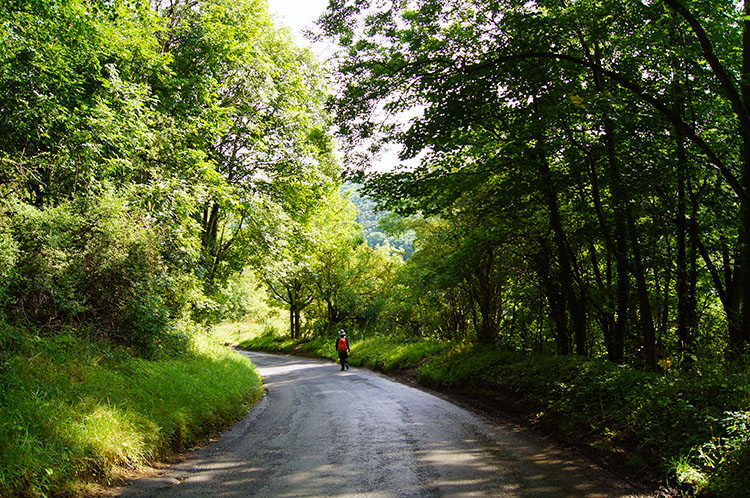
<point x="97" y="262"/>
<point x="8" y="260"/>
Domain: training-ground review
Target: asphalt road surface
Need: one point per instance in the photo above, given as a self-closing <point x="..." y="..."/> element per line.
<point x="323" y="432"/>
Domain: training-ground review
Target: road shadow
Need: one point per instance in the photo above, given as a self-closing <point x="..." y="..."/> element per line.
<point x="325" y="433"/>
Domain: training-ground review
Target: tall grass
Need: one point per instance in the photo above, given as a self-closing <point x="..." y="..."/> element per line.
<point x="73" y="411"/>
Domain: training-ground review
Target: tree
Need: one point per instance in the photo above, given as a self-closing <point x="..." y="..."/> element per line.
<point x="551" y="83"/>
<point x="204" y="118"/>
<point x="253" y="103"/>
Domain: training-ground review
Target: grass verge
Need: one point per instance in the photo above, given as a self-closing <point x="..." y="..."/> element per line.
<point x="75" y="411"/>
<point x="377" y="353"/>
<point x="689" y="428"/>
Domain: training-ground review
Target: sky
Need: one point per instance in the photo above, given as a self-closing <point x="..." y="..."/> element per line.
<point x="297" y="14"/>
<point x="300" y="14"/>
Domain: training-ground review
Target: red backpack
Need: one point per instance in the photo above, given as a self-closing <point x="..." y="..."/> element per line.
<point x="342" y="345"/>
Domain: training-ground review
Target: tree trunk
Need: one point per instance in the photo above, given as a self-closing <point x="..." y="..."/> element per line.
<point x="625" y="234"/>
<point x="292" y="301"/>
<point x="686" y="230"/>
<point x="605" y="319"/>
<point x="620" y="242"/>
<point x="576" y="319"/>
<point x="686" y="273"/>
<point x="210" y="228"/>
<point x="291" y="321"/>
<point x="740" y="338"/>
<point x="648" y="332"/>
<point x="297" y="323"/>
<point x="486" y="295"/>
<point x="737" y="293"/>
<point x="619" y="246"/>
<point x="556" y="301"/>
<point x="576" y="316"/>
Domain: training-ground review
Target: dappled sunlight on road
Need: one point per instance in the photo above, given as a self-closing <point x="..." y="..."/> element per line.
<point x="325" y="433"/>
<point x="290" y="367"/>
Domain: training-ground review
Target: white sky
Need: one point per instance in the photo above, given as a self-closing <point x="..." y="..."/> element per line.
<point x="300" y="14"/>
<point x="297" y="15"/>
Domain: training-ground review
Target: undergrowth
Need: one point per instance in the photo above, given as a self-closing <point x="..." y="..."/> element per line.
<point x="691" y="424"/>
<point x="686" y="427"/>
<point x="75" y="411"/>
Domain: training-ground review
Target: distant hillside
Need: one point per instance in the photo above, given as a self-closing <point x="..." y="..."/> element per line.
<point x="374" y="222"/>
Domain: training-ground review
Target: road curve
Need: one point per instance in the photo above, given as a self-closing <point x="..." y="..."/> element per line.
<point x="326" y="433"/>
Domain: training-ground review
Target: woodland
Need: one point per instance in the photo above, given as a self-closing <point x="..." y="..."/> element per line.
<point x="576" y="206"/>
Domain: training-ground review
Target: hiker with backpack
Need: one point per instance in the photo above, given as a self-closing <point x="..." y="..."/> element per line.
<point x="342" y="346"/>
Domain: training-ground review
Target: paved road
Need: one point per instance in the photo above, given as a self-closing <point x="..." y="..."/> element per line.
<point x="322" y="432"/>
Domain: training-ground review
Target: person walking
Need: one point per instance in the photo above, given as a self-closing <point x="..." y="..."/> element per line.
<point x="342" y="346"/>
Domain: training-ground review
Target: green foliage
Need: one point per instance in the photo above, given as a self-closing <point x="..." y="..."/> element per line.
<point x="573" y="135"/>
<point x="8" y="258"/>
<point x="96" y="262"/>
<point x="74" y="409"/>
<point x="719" y="466"/>
<point x="243" y="297"/>
<point x="237" y="332"/>
<point x="207" y="121"/>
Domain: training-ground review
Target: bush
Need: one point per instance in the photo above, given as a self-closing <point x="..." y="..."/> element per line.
<point x="8" y="261"/>
<point x="724" y="460"/>
<point x="96" y="263"/>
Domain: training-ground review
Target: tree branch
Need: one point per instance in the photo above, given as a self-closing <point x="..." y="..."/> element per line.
<point x="725" y="80"/>
<point x="641" y="93"/>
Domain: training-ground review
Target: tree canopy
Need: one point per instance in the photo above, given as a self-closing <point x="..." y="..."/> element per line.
<point x="605" y="140"/>
<point x="146" y="148"/>
<point x="582" y="184"/>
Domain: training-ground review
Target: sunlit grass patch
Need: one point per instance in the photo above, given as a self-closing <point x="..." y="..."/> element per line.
<point x="240" y="331"/>
<point x="389" y="354"/>
<point x="382" y="353"/>
<point x="111" y="435"/>
<point x="689" y="476"/>
<point x="72" y="410"/>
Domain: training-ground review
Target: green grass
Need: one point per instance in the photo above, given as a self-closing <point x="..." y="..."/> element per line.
<point x="380" y="353"/>
<point x="237" y="332"/>
<point x="383" y="354"/>
<point x="75" y="411"/>
<point x="688" y="428"/>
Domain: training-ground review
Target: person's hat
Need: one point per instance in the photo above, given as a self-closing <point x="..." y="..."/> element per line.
<point x="342" y="333"/>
